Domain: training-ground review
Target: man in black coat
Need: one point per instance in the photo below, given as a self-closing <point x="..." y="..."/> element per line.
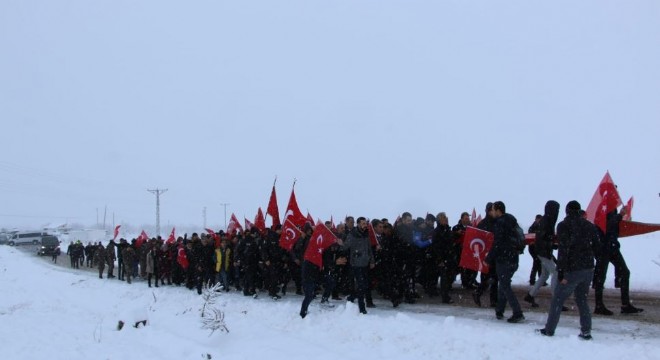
<point x="443" y="243"/>
<point x="611" y="253"/>
<point x="504" y="254"/>
<point x="544" y="243"/>
<point x="575" y="269"/>
<point x="488" y="280"/>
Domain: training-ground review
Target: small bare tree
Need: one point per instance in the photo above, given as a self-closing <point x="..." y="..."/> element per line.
<point x="212" y="318"/>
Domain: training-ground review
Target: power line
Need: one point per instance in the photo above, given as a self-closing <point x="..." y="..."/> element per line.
<point x="157" y="192"/>
<point x="225" y="206"/>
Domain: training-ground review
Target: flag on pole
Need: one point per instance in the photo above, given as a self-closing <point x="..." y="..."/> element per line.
<point x="116" y="231"/>
<point x="171" y="239"/>
<point x="234" y="225"/>
<point x="293" y="211"/>
<point x="248" y="224"/>
<point x="605" y="199"/>
<point x="260" y="221"/>
<point x="272" y="209"/>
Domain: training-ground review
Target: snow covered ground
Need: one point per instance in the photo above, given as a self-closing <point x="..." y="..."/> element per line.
<point x="52" y="312"/>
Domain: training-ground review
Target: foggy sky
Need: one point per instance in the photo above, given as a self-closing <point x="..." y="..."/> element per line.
<point x="375" y="107"/>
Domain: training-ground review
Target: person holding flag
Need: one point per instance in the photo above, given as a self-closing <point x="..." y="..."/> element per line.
<point x="312" y="261"/>
<point x="611" y="253"/>
<point x="504" y="254"/>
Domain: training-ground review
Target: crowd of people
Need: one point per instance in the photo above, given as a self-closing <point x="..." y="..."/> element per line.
<point x="408" y="254"/>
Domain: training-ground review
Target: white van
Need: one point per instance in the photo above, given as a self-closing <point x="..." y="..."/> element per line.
<point x="23" y="238"/>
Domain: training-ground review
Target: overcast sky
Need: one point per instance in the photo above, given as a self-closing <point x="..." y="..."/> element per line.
<point x="375" y="107"/>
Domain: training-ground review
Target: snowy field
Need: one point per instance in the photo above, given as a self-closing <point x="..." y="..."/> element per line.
<point x="52" y="312"/>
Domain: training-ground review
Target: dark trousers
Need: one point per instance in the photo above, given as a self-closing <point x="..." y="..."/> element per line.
<point x="120" y="268"/>
<point x="361" y="276"/>
<point x="600" y="273"/>
<point x="536" y="265"/>
<point x="505" y="294"/>
<point x="489" y="281"/>
<point x="578" y="284"/>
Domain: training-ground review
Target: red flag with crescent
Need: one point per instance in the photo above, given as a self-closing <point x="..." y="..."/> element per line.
<point x="605" y="199"/>
<point x="116" y="231"/>
<point x="476" y="245"/>
<point x="321" y="239"/>
<point x="182" y="258"/>
<point x="290" y="234"/>
<point x="171" y="239"/>
<point x="272" y="209"/>
<point x="293" y="212"/>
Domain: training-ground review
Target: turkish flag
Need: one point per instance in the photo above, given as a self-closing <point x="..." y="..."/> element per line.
<point x="476" y="245"/>
<point x="605" y="199"/>
<point x="321" y="239"/>
<point x="182" y="258"/>
<point x="248" y="224"/>
<point x="116" y="231"/>
<point x="629" y="206"/>
<point x="373" y="239"/>
<point x="310" y="219"/>
<point x="260" y="221"/>
<point x="171" y="239"/>
<point x="478" y="220"/>
<point x="234" y="225"/>
<point x="632" y="228"/>
<point x="473" y="218"/>
<point x="272" y="209"/>
<point x="216" y="238"/>
<point x="290" y="234"/>
<point x="141" y="239"/>
<point x="293" y="212"/>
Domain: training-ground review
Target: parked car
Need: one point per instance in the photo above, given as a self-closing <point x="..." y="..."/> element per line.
<point x="23" y="238"/>
<point x="49" y="245"/>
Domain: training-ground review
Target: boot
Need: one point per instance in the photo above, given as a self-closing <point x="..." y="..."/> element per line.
<point x="629" y="309"/>
<point x="602" y="310"/>
<point x="530" y="299"/>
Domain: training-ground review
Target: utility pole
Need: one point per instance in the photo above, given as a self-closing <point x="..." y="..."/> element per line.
<point x="225" y="206"/>
<point x="204" y="216"/>
<point x="157" y="192"/>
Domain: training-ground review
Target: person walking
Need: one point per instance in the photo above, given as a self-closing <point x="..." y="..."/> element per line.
<point x="575" y="269"/>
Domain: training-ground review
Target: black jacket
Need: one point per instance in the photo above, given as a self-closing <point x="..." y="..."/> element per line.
<point x="577" y="241"/>
<point x="545" y="236"/>
<point x="504" y="249"/>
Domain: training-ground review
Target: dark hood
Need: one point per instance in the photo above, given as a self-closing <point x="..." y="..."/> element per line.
<point x="552" y="212"/>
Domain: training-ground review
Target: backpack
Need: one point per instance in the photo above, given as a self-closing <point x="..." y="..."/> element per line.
<point x="518" y="239"/>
